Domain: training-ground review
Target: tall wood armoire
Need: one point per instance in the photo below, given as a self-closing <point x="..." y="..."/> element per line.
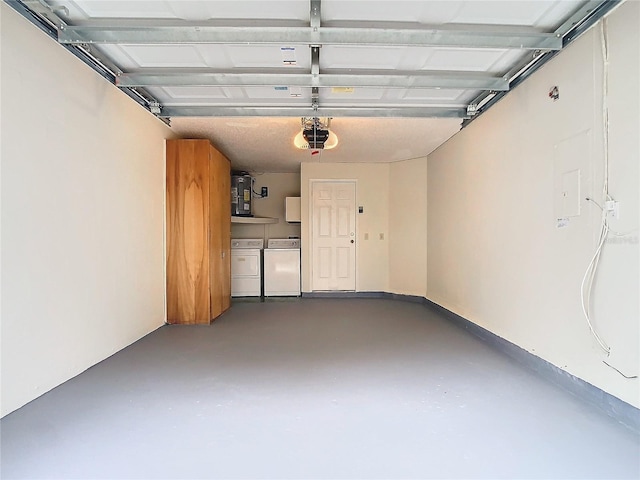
<point x="198" y="232"/>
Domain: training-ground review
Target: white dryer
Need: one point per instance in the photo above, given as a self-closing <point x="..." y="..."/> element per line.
<point x="282" y="267"/>
<point x="246" y="270"/>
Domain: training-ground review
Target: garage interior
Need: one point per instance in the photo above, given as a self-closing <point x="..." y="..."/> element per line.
<point x="493" y="329"/>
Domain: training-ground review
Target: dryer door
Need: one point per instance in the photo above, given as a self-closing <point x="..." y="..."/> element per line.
<point x="245" y="263"/>
<point x="246" y="279"/>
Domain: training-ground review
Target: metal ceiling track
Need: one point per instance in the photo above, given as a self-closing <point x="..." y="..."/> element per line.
<point x="578" y="23"/>
<point x="79" y="39"/>
<point x="47" y="20"/>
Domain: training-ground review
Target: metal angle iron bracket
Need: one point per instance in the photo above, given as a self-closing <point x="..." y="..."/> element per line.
<point x="314" y="21"/>
<point x="580" y="21"/>
<point x="46" y="11"/>
<point x="186" y="32"/>
<point x="313" y="111"/>
<point x="315" y="14"/>
<point x="46" y="18"/>
<point x="158" y="31"/>
<point x="434" y="79"/>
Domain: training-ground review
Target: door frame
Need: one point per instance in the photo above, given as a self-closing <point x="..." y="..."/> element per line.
<point x="312" y="182"/>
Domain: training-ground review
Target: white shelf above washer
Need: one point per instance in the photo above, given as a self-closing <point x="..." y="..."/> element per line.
<point x="254" y="220"/>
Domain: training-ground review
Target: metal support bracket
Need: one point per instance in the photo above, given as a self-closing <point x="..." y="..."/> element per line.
<point x="43" y="9"/>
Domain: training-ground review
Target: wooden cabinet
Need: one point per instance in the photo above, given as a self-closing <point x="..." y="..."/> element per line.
<point x="198" y="232"/>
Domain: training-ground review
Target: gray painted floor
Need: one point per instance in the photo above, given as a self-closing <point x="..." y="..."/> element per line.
<point x="314" y="388"/>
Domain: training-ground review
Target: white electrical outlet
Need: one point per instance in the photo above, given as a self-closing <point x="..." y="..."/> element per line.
<point x="616" y="210"/>
<point x="612" y="208"/>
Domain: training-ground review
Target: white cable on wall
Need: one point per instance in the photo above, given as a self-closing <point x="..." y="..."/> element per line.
<point x="586" y="286"/>
<point x="587" y="280"/>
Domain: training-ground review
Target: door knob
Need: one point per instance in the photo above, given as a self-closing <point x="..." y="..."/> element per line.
<point x="353" y="241"/>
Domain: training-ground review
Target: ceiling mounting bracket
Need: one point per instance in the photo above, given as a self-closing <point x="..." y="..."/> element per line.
<point x="155" y="108"/>
<point x="314" y="20"/>
<point x="52" y="14"/>
<point x="315" y="14"/>
<point x="590" y="12"/>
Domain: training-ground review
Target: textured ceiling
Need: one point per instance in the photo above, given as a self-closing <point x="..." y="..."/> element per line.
<point x="260" y="144"/>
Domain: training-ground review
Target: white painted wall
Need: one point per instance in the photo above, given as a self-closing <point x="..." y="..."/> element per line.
<point x="372" y="193"/>
<point x="82" y="216"/>
<point x="280" y="185"/>
<point x="408" y="227"/>
<point x="495" y="254"/>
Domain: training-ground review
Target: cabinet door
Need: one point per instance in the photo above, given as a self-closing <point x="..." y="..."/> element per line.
<point x="225" y="231"/>
<point x="220" y="233"/>
<point x="188" y="193"/>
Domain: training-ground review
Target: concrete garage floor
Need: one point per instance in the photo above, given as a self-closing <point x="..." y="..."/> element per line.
<point x="314" y="388"/>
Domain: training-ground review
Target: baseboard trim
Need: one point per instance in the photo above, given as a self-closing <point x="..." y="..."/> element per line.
<point x="623" y="412"/>
<point x="344" y="295"/>
<point x="612" y="406"/>
<point x="386" y="295"/>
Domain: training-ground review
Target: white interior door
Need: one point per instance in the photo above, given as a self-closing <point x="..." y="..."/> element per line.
<point x="333" y="235"/>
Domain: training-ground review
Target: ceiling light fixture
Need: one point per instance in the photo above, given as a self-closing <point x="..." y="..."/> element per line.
<point x="315" y="134"/>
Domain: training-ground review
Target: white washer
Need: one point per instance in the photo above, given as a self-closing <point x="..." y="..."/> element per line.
<point x="246" y="271"/>
<point x="282" y="267"/>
